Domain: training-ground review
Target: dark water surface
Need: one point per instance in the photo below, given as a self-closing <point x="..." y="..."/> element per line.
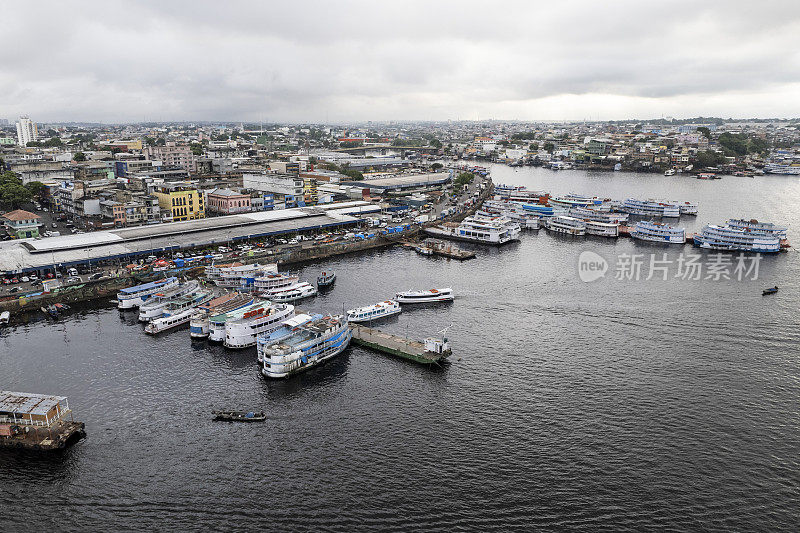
<point x="625" y="405"/>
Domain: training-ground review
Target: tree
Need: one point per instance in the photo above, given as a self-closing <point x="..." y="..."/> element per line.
<point x="350" y="144"/>
<point x="436" y="166"/>
<point x="709" y="159"/>
<point x="549" y="147"/>
<point x="36" y="188"/>
<point x="161" y="141"/>
<point x="197" y="149"/>
<point x="149" y="141"/>
<point x="533" y="147"/>
<point x="80" y="156"/>
<point x="733" y="144"/>
<point x="12" y="193"/>
<point x="705" y="131"/>
<point x="436" y="143"/>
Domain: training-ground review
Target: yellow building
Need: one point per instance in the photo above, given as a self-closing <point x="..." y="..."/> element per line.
<point x="182" y="200"/>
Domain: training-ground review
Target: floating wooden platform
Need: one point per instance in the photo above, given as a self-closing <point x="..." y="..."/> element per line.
<point x="394" y="345"/>
<point x="443" y="249"/>
<point x="56" y="437"/>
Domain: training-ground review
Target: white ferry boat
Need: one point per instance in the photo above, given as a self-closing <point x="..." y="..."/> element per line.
<point x="485" y="230"/>
<point x="200" y="322"/>
<point x="298" y="291"/>
<point x="131" y="297"/>
<point x="217" y="322"/>
<point x="657" y="232"/>
<point x="792" y="169"/>
<point x="242" y="332"/>
<point x="598" y="216"/>
<point x="759" y="228"/>
<point x="716" y="237"/>
<point x="243" y="275"/>
<point x="566" y="224"/>
<point x="603" y="229"/>
<point x="301" y="343"/>
<point x="650" y="208"/>
<point x="178" y="312"/>
<point x="270" y="282"/>
<point x="687" y="208"/>
<point x="374" y="312"/>
<point x="155" y="305"/>
<point x="420" y="297"/>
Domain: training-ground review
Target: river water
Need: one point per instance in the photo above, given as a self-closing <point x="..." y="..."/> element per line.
<point x="615" y="404"/>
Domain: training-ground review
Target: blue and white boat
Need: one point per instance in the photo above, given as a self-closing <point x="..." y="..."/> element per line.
<point x="657" y="232"/>
<point x="758" y="228"/>
<point x="302" y="342"/>
<point x="374" y="312"/>
<point x="714" y="237"/>
<point x="135" y="296"/>
<point x="650" y="208"/>
<point x="155" y="305"/>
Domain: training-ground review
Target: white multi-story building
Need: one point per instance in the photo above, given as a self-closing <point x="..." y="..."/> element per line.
<point x="26" y="131"/>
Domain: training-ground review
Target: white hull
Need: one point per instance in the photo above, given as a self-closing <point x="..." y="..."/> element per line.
<point x="376" y="317"/>
<point x="421" y="297"/>
<point x="243" y="333"/>
<point x="276" y="363"/>
<point x="163" y="324"/>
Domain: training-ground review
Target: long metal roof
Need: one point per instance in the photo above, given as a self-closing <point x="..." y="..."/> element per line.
<point x="31" y="254"/>
<point x="28" y="403"/>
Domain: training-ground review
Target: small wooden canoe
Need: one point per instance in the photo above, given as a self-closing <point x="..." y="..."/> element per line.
<point x="239" y="416"/>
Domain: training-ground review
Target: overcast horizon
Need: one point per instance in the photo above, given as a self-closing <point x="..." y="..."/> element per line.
<point x="318" y="62"/>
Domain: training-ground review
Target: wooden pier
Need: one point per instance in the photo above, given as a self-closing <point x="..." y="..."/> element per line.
<point x="398" y="346"/>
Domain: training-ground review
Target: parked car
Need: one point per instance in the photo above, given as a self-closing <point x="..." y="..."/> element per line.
<point x="96" y="276"/>
<point x="25" y="279"/>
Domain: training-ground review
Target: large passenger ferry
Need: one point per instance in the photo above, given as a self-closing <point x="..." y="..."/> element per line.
<point x="657" y="232"/>
<point x="598" y="216"/>
<point x="650" y="208"/>
<point x="131" y="297"/>
<point x="274" y="281"/>
<point x="566" y="224"/>
<point x="485" y="230"/>
<point x="298" y="291"/>
<point x="602" y="229"/>
<point x="243" y="276"/>
<point x="179" y="312"/>
<point x="241" y="332"/>
<point x="217" y="322"/>
<point x="716" y="237"/>
<point x="301" y="343"/>
<point x="758" y="228"/>
<point x="374" y="312"/>
<point x="155" y="305"/>
<point x="200" y="322"/>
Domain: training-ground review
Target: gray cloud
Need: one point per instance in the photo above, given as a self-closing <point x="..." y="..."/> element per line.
<point x="336" y="61"/>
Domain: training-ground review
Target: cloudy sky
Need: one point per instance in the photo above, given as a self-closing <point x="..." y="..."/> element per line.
<point x="338" y="61"/>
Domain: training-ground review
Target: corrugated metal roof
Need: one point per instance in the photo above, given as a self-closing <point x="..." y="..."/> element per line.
<point x="28" y="403"/>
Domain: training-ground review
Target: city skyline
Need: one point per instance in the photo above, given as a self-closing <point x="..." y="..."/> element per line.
<point x="315" y="62"/>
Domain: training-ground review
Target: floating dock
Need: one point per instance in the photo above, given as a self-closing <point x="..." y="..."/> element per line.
<point x="431" y="351"/>
<point x="441" y="248"/>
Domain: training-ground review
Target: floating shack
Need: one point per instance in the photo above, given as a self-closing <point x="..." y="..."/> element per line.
<point x="37" y="421"/>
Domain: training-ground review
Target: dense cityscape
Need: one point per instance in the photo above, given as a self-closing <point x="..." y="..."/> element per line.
<point x="418" y="266"/>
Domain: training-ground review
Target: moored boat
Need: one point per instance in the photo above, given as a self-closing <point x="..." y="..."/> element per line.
<point x="758" y="228"/>
<point x="200" y="322"/>
<point x="292" y="293"/>
<point x="566" y="224"/>
<point x="239" y="416"/>
<point x="771" y="290"/>
<point x="657" y="232"/>
<point x="374" y="312"/>
<point x="302" y="342"/>
<point x="241" y="332"/>
<point x="154" y="307"/>
<point x="729" y="238"/>
<point x="135" y="296"/>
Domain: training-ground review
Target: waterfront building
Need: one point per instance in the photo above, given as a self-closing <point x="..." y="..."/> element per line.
<point x="26" y="131"/>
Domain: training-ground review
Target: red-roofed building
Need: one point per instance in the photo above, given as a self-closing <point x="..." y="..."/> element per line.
<point x="21" y="224"/>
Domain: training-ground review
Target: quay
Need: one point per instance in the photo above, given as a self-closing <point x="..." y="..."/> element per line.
<point x="430" y="351"/>
<point x="37" y="422"/>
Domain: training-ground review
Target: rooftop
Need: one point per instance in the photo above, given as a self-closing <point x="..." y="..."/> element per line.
<point x="19" y="214"/>
<point x="28" y="403"/>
